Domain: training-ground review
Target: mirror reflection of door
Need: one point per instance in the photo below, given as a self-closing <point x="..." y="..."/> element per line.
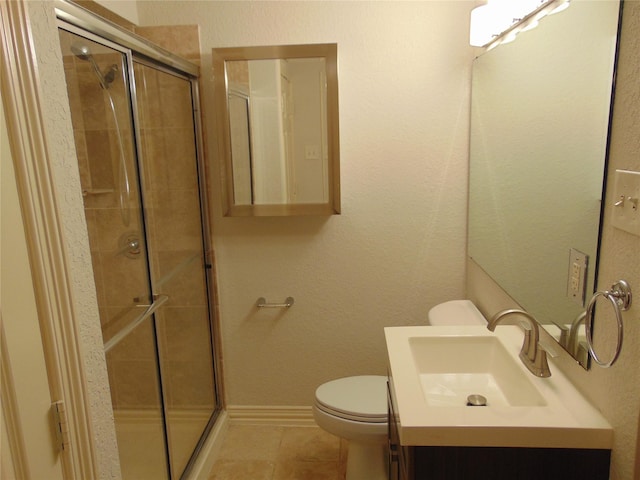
<point x="277" y="116"/>
<point x="240" y="146"/>
<point x="286" y="92"/>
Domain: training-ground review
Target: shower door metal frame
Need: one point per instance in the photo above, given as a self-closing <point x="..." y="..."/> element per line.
<point x="84" y="19"/>
<point x="204" y="221"/>
<point x="81" y="22"/>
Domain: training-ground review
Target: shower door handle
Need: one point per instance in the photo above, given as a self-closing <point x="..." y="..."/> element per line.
<point x="158" y="301"/>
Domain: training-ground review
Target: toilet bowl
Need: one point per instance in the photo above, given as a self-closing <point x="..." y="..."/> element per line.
<point x="355" y="408"/>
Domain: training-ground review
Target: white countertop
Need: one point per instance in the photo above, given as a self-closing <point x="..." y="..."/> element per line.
<point x="566" y="420"/>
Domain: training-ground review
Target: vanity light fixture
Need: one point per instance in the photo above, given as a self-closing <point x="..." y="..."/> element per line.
<point x="561" y="6"/>
<point x="509" y="37"/>
<point x="483" y="24"/>
<point x="500" y="21"/>
<point x="533" y="23"/>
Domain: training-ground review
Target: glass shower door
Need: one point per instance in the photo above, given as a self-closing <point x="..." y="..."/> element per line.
<point x="103" y="131"/>
<point x="177" y="257"/>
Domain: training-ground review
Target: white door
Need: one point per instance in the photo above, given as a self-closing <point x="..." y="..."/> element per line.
<point x="27" y="424"/>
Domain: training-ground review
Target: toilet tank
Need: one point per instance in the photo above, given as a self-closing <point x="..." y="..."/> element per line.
<point x="456" y="312"/>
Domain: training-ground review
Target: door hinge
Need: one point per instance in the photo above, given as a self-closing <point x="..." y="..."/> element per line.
<point x="60" y="424"/>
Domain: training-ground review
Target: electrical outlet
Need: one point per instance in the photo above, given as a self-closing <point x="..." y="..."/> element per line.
<point x="577" y="282"/>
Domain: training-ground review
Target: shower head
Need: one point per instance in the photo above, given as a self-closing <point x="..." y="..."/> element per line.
<point x="83" y="52"/>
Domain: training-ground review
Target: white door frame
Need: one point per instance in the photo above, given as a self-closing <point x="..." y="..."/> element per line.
<point x="43" y="230"/>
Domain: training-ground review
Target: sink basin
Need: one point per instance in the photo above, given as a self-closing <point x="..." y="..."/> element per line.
<point x="433" y="369"/>
<point x="451" y="368"/>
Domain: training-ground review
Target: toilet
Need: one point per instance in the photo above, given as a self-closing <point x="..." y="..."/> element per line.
<point x="456" y="312"/>
<point x="355" y="408"/>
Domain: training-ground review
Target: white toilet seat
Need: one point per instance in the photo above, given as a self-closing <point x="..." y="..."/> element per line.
<point x="352" y="417"/>
<point x="360" y="398"/>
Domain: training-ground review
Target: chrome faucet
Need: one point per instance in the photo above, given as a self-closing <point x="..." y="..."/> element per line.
<point x="532" y="353"/>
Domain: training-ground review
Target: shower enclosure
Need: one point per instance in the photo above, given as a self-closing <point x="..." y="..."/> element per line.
<point x="137" y="140"/>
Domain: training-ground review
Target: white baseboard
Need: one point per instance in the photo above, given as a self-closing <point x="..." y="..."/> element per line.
<point x="271" y="415"/>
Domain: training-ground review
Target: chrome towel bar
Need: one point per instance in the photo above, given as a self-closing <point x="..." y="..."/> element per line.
<point x="262" y="303"/>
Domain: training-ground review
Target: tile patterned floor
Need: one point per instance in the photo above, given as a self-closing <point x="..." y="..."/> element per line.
<point x="280" y="453"/>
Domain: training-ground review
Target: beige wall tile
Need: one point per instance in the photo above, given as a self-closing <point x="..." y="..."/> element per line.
<point x="169" y="155"/>
<point x="177" y="212"/>
<point x="124" y="279"/>
<point x="134" y="384"/>
<point x="181" y="277"/>
<point x="100" y="156"/>
<point x="184" y="333"/>
<point x="183" y="40"/>
<point x="188" y="384"/>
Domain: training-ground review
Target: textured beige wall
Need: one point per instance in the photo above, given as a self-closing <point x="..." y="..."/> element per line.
<point x="398" y="247"/>
<point x="615" y="391"/>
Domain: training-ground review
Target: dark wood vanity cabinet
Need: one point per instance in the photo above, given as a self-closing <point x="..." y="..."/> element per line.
<point x="491" y="463"/>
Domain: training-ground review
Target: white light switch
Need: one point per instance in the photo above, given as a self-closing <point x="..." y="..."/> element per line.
<point x="625" y="213"/>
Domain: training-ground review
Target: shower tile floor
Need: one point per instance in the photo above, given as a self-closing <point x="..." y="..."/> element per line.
<point x="280" y="453"/>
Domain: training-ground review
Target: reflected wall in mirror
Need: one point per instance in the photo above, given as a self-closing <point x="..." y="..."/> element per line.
<point x="539" y="129"/>
<point x="277" y="124"/>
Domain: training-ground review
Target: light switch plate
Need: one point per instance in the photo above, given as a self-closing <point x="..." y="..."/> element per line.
<point x="625" y="212"/>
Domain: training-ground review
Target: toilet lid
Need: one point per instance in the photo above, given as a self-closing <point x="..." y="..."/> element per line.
<point x="456" y="312"/>
<point x="362" y="398"/>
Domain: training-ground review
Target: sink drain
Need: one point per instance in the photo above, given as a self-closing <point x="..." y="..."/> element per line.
<point x="476" y="400"/>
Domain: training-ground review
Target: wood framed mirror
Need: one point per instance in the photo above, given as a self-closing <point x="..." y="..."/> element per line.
<point x="277" y="129"/>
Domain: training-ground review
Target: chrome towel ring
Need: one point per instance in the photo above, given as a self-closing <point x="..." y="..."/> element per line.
<point x="620" y="298"/>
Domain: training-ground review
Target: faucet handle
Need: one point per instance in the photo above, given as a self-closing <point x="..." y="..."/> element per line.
<point x="526" y="350"/>
<point x="564" y="334"/>
<point x="540" y="364"/>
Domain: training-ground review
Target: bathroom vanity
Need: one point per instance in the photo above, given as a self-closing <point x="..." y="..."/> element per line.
<point x="435" y="462"/>
<point x="531" y="428"/>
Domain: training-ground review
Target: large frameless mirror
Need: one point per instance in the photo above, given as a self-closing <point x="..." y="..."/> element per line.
<point x="539" y="130"/>
<point x="277" y="124"/>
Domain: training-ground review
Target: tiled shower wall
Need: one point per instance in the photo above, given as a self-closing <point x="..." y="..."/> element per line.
<point x="118" y="279"/>
<point x="172" y="211"/>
